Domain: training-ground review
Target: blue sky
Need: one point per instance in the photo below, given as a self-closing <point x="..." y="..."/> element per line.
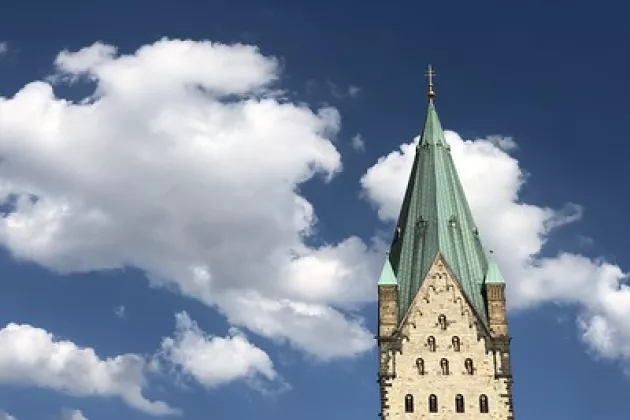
<point x="194" y="228"/>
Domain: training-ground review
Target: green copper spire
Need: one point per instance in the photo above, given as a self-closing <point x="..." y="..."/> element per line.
<point x="435" y="218"/>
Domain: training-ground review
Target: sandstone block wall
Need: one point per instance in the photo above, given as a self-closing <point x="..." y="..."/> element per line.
<point x="440" y="295"/>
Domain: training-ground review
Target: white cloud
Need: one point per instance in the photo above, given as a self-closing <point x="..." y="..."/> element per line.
<point x="186" y="164"/>
<point x="517" y="232"/>
<point x="358" y="143"/>
<point x="4" y="47"/>
<point x="33" y="357"/>
<point x="354" y="90"/>
<point x="340" y="93"/>
<point x="300" y="323"/>
<point x="6" y="416"/>
<point x="504" y="143"/>
<point x="68" y="414"/>
<point x="120" y="311"/>
<point x="214" y="361"/>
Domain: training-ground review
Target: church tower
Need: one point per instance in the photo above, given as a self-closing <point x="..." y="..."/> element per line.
<point x="442" y="326"/>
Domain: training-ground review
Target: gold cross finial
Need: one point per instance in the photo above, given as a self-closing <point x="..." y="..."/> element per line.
<point x="430" y="74"/>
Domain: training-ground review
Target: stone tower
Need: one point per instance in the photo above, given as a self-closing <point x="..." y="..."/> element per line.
<point x="442" y="326"/>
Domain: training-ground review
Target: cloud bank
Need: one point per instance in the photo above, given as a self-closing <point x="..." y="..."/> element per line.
<point x="33" y="357"/>
<point x="185" y="161"/>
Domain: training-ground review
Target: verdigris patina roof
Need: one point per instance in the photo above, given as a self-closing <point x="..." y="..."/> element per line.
<point x="435" y="217"/>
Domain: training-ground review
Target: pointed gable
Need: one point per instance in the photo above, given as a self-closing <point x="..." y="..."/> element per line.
<point x="436" y="218"/>
<point x="387" y="278"/>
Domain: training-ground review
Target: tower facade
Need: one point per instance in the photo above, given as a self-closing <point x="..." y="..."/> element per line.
<point x="442" y="325"/>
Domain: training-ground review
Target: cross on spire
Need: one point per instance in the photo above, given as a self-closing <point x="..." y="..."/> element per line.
<point x="430" y="74"/>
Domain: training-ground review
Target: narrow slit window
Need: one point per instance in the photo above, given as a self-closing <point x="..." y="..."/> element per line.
<point x="433" y="403"/>
<point x="442" y="321"/>
<point x="483" y="404"/>
<point x="420" y="366"/>
<point x="444" y="366"/>
<point x="456" y="344"/>
<point x="459" y="403"/>
<point x="431" y="343"/>
<point x="468" y="364"/>
<point x="408" y="403"/>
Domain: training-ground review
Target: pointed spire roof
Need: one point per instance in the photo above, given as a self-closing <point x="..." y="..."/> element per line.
<point x="494" y="276"/>
<point x="436" y="218"/>
<point x="388" y="278"/>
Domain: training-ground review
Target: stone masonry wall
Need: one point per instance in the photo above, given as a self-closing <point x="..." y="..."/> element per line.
<point x="441" y="295"/>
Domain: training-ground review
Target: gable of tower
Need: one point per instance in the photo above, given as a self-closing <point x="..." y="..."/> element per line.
<point x="445" y="360"/>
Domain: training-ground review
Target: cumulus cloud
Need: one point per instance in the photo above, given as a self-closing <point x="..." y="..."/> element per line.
<point x="33" y="357"/>
<point x="517" y="232"/>
<point x="6" y="416"/>
<point x="4" y="47"/>
<point x="312" y="325"/>
<point x="69" y="414"/>
<point x="504" y="143"/>
<point x="214" y="361"/>
<point x="185" y="162"/>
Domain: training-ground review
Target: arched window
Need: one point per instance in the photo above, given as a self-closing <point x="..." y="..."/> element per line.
<point x="459" y="403"/>
<point x="433" y="408"/>
<point x="420" y="366"/>
<point x="408" y="403"/>
<point x="431" y="343"/>
<point x="442" y="321"/>
<point x="483" y="403"/>
<point x="444" y="366"/>
<point x="456" y="343"/>
<point x="468" y="364"/>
